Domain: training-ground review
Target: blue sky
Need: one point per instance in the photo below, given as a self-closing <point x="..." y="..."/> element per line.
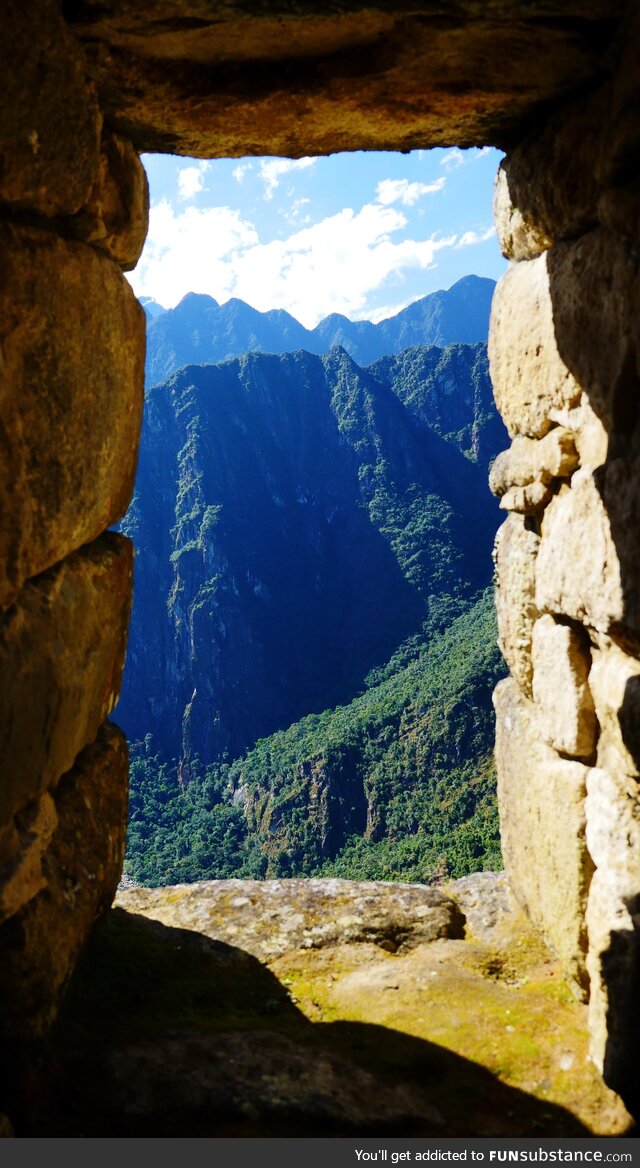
<point x="363" y="234"/>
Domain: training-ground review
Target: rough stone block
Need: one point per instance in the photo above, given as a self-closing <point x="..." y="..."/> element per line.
<point x="561" y="693"/>
<point x="49" y="117"/>
<point x="62" y="650"/>
<point x="547" y="188"/>
<point x="613" y="918"/>
<point x="542" y="829"/>
<point x="527" y="500"/>
<point x="623" y="139"/>
<point x="40" y="945"/>
<point x="588" y="567"/>
<point x="529" y="375"/>
<point x="528" y="461"/>
<point x="24" y="843"/>
<point x="590" y="436"/>
<point x="71" y="388"/>
<point x="515" y="554"/>
<point x="116" y="216"/>
<point x="615" y="685"/>
<point x="594" y="295"/>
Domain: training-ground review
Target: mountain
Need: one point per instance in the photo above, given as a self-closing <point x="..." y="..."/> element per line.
<point x="398" y="784"/>
<point x="296" y="517"/>
<point x="151" y="307"/>
<point x="199" y="330"/>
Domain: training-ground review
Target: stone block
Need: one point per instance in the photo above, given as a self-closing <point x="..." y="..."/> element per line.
<point x="547" y="188"/>
<point x="542" y="829"/>
<point x="529" y="375"/>
<point x="588" y="566"/>
<point x="71" y="389"/>
<point x="49" y="117"/>
<point x="39" y="946"/>
<point x="529" y="461"/>
<point x="623" y="139"/>
<point x="25" y="841"/>
<point x="613" y="918"/>
<point x="594" y="294"/>
<point x="515" y="554"/>
<point x="116" y="216"/>
<point x="527" y="500"/>
<point x="62" y="650"/>
<point x="564" y="705"/>
<point x="615" y="685"/>
<point x="589" y="434"/>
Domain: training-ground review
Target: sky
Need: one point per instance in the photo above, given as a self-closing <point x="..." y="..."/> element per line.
<point x="363" y="234"/>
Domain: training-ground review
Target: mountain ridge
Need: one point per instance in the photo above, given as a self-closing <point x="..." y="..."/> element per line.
<point x="199" y="330"/>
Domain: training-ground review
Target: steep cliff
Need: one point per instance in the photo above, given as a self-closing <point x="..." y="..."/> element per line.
<point x="294" y="519"/>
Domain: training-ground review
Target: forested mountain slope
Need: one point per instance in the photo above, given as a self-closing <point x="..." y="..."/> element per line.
<point x="398" y="784"/>
<point x="295" y="518"/>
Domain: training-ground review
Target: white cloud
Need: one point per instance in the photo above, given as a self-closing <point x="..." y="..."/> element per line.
<point x="272" y="169"/>
<point x="330" y="266"/>
<point x="400" y="190"/>
<point x="294" y="214"/>
<point x="456" y="157"/>
<point x="190" y="250"/>
<point x="240" y="170"/>
<point x="471" y="237"/>
<point x="191" y="180"/>
<point x="453" y="159"/>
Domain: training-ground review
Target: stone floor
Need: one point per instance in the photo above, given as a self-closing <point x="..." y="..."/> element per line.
<point x="316" y="1008"/>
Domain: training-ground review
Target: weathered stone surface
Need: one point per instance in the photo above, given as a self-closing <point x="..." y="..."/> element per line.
<point x="528" y="461"/>
<point x="561" y="662"/>
<point x="590" y="436"/>
<point x="304" y="79"/>
<point x="515" y="554"/>
<point x="71" y="384"/>
<point x="519" y="235"/>
<point x="547" y="188"/>
<point x="480" y="1031"/>
<point x="615" y="685"/>
<point x="21" y="874"/>
<point x="527" y="500"/>
<point x="49" y="118"/>
<point x="594" y="289"/>
<point x="528" y="373"/>
<point x="40" y="945"/>
<point x="488" y="906"/>
<point x="619" y="210"/>
<point x="587" y="566"/>
<point x="272" y="1075"/>
<point x="613" y="837"/>
<point x="521" y="476"/>
<point x="61" y="655"/>
<point x="116" y="217"/>
<point x="542" y="829"/>
<point x="624" y="130"/>
<point x="274" y="916"/>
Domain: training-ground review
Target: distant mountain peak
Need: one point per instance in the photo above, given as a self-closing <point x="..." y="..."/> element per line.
<point x="199" y="330"/>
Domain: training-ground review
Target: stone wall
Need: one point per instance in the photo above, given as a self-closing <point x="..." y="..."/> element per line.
<point x="73" y="214"/>
<point x="564" y="361"/>
<point x="555" y="81"/>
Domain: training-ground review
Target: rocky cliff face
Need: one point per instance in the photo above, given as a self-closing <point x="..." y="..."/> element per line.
<point x="292" y="518"/>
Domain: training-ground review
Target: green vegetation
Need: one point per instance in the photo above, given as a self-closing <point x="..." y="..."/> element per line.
<point x="398" y="784"/>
